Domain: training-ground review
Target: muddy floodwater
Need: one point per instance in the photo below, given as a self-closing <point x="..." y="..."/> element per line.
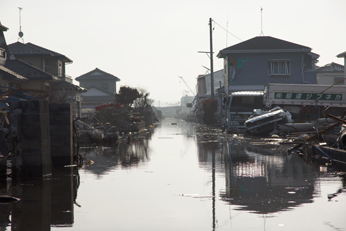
<point x="181" y="176"/>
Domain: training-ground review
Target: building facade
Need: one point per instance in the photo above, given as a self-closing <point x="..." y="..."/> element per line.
<point x="251" y="64"/>
<point x="330" y="74"/>
<point x="101" y="88"/>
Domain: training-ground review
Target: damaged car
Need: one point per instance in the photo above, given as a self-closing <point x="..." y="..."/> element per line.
<point x="262" y="123"/>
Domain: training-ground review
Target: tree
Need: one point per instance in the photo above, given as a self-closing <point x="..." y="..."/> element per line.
<point x="210" y="107"/>
<point x="143" y="102"/>
<point x="127" y="96"/>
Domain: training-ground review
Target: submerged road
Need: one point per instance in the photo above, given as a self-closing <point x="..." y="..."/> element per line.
<point x="182" y="176"/>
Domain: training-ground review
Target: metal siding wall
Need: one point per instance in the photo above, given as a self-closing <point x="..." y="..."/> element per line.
<point x="252" y="69"/>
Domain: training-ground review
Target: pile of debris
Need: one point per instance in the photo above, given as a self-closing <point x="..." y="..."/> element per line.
<point x="326" y="145"/>
<point x="109" y="123"/>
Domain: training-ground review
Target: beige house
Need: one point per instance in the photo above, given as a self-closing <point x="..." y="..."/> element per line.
<point x="330" y="74"/>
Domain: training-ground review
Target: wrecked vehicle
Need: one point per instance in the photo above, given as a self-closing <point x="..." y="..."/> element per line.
<point x="239" y="107"/>
<point x="264" y="122"/>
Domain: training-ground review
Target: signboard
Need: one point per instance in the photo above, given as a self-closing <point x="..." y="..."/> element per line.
<point x="307" y="96"/>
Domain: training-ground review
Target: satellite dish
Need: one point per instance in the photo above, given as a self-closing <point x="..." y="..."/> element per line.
<point x="21" y="34"/>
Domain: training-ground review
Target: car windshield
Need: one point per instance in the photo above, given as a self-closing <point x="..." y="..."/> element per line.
<point x="246" y="103"/>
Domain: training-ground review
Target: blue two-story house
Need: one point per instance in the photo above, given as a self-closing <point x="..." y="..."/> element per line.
<point x="251" y="64"/>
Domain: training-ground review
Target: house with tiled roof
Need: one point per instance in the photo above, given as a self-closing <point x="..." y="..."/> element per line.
<point x="251" y="64"/>
<point x="42" y="58"/>
<point x="60" y="87"/>
<point x="31" y="68"/>
<point x="16" y="73"/>
<point x="331" y="73"/>
<point x="100" y="85"/>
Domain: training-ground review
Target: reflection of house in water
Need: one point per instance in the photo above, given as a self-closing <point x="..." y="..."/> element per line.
<point x="45" y="202"/>
<point x="5" y="209"/>
<point x="123" y="154"/>
<point x="265" y="182"/>
<point x="209" y="148"/>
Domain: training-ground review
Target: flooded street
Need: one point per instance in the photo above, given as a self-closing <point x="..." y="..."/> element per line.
<point x="181" y="176"/>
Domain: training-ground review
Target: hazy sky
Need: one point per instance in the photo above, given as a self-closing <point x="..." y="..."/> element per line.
<point x="149" y="43"/>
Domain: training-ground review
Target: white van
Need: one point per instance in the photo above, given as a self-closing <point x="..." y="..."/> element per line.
<point x="240" y="106"/>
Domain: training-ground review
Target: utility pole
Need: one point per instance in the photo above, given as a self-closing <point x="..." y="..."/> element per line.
<point x="211" y="58"/>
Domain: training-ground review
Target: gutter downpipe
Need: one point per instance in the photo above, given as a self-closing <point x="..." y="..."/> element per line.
<point x="302" y="66"/>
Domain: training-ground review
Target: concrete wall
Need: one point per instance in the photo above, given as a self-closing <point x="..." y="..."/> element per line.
<point x="31" y="132"/>
<point x="61" y="136"/>
<point x="43" y="137"/>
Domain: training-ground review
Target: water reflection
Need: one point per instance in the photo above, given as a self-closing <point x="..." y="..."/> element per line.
<point x="45" y="202"/>
<point x="225" y="173"/>
<point x="265" y="181"/>
<point x="129" y="152"/>
<point x="209" y="150"/>
<point x="5" y="208"/>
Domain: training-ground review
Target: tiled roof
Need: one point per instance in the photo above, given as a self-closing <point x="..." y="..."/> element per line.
<point x="9" y="74"/>
<point x="64" y="84"/>
<point x="331" y="67"/>
<point x="91" y="75"/>
<point x="30" y="49"/>
<point x="262" y="43"/>
<point x="28" y="71"/>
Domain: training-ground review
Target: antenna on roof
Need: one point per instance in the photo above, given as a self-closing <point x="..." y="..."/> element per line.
<point x="20" y="34"/>
<point x="261" y="23"/>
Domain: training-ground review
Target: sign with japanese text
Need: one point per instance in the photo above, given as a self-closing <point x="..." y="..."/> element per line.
<point x="307" y="96"/>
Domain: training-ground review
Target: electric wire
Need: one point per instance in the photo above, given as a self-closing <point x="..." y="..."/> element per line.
<point x="226" y="30"/>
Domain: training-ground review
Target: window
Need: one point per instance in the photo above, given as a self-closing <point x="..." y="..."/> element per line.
<point x="59" y="69"/>
<point x="246" y="103"/>
<point x="279" y="67"/>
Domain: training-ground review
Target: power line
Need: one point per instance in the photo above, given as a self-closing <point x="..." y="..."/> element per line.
<point x="226" y="30"/>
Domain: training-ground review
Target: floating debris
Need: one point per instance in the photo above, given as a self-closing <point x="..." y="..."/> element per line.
<point x="8" y="199"/>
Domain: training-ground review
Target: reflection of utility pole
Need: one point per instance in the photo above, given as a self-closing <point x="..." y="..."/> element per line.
<point x="213" y="186"/>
